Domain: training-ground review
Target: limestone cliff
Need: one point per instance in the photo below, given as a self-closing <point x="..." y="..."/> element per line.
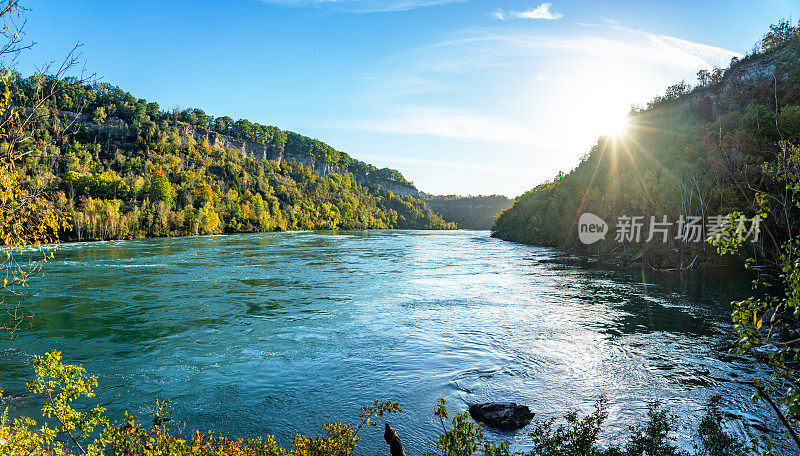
<point x="265" y="152"/>
<point x="765" y="79"/>
<point x="114" y="127"/>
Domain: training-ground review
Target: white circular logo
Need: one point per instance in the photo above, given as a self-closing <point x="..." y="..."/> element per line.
<point x="591" y="228"/>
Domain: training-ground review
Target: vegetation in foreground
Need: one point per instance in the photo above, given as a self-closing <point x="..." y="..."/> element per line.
<point x="71" y="432"/>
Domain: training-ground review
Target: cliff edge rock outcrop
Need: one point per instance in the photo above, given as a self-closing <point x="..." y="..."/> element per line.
<point x="265" y="152"/>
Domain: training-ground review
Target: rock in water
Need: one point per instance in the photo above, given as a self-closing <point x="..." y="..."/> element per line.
<point x="391" y="437"/>
<point x="506" y="416"/>
<point x="13" y="395"/>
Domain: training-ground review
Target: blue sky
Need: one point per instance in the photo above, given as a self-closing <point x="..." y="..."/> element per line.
<point x="466" y="97"/>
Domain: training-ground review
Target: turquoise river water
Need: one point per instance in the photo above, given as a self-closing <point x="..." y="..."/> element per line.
<point x="282" y="332"/>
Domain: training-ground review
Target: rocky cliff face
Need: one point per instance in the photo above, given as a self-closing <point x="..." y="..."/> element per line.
<point x="262" y="152"/>
<point x="764" y="78"/>
<point x="115" y="127"/>
<point x="759" y="69"/>
<point x="249" y="149"/>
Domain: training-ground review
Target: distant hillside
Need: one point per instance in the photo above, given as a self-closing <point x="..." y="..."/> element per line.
<point x="468" y="212"/>
<point x="699" y="151"/>
<point x="120" y="167"/>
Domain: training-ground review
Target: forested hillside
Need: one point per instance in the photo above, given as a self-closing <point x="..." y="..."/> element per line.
<point x="117" y="167"/>
<point x="695" y="151"/>
<point x="468" y="212"/>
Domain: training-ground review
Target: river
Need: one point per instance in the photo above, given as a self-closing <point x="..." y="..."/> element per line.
<point x="281" y="332"/>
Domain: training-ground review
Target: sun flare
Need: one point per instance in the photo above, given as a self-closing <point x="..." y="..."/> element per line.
<point x="613" y="125"/>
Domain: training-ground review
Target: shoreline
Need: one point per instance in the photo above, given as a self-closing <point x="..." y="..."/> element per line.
<point x="631" y="260"/>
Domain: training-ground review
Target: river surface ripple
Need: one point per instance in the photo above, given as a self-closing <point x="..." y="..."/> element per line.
<point x="282" y="332"/>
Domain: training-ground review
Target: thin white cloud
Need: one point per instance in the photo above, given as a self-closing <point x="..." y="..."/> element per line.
<point x="464" y="62"/>
<point x="449" y="123"/>
<point x="483" y="49"/>
<point x="363" y="6"/>
<point x="542" y="11"/>
<point x="702" y="53"/>
<point x="446" y="89"/>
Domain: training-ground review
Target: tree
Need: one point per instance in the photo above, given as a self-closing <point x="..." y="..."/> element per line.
<point x="716" y="76"/>
<point x="153" y="110"/>
<point x="99" y="115"/>
<point x="789" y="123"/>
<point x="208" y="220"/>
<point x="703" y="77"/>
<point x="205" y="194"/>
<point x="160" y="189"/>
<point x="201" y="119"/>
<point x="223" y="125"/>
<point x="768" y="323"/>
<point x="27" y="215"/>
<point x="780" y="34"/>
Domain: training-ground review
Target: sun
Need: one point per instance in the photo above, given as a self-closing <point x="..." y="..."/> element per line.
<point x="613" y="124"/>
<point x="606" y="117"/>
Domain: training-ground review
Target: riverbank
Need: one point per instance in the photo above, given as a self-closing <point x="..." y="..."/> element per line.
<point x="640" y="259"/>
<point x="233" y="233"/>
<point x="636" y="263"/>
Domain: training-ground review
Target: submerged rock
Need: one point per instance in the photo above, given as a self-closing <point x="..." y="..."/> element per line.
<point x="506" y="416"/>
<point x="12" y="395"/>
<point x="767" y="349"/>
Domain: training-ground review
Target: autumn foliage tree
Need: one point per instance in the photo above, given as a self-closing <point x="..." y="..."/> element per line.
<point x="28" y="218"/>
